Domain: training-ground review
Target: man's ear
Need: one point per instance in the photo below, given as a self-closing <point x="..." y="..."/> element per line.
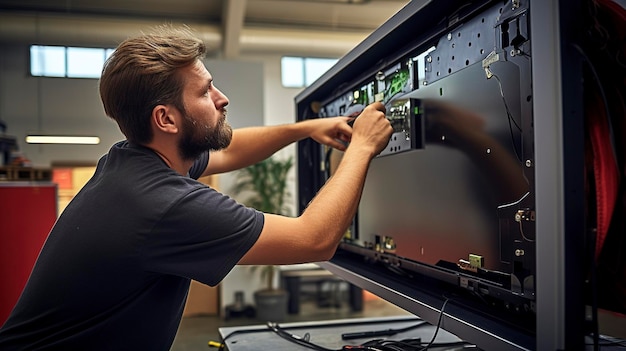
<point x="165" y="118"/>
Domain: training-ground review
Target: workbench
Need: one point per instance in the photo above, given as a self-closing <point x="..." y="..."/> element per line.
<point x="328" y="334"/>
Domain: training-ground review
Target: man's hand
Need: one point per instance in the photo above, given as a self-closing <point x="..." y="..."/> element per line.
<point x="334" y="132"/>
<point x="314" y="235"/>
<point x="372" y="129"/>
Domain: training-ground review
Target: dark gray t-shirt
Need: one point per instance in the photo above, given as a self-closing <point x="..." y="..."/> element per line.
<point x="115" y="270"/>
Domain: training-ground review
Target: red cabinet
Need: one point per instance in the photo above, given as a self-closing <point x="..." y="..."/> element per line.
<point x="28" y="211"/>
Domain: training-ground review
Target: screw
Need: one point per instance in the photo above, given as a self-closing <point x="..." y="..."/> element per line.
<point x="529" y="163"/>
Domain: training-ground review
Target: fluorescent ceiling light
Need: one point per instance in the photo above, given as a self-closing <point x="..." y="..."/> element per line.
<point x="62" y="139"/>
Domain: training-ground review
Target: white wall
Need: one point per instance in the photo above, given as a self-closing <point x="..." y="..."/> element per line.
<point x="278" y="108"/>
<point x="72" y="106"/>
<point x="51" y="105"/>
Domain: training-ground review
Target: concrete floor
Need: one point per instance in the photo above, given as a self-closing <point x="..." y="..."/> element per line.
<point x="195" y="332"/>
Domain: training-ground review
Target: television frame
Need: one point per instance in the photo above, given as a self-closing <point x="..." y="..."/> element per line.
<point x="558" y="133"/>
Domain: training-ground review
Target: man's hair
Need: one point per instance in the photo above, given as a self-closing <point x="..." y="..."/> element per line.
<point x="143" y="73"/>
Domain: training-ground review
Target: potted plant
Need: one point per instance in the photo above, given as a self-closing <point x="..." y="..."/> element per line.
<point x="263" y="186"/>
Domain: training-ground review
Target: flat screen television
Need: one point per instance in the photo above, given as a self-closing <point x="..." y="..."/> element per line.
<point x="479" y="209"/>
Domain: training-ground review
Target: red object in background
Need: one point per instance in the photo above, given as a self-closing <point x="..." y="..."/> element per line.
<point x="28" y="211"/>
<point x="63" y="178"/>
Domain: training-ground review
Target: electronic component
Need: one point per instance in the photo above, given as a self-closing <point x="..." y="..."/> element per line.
<point x="405" y="118"/>
<point x="473" y="264"/>
<point x="387" y="86"/>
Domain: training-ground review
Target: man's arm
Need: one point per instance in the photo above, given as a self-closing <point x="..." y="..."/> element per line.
<point x="253" y="144"/>
<point x="314" y="235"/>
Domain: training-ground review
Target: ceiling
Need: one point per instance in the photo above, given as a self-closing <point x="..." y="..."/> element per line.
<point x="230" y="27"/>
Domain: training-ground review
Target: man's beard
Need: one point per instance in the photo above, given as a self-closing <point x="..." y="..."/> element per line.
<point x="198" y="138"/>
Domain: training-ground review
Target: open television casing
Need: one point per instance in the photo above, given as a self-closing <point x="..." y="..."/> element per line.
<point x="482" y="178"/>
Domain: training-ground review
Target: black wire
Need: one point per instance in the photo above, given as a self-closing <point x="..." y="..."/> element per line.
<point x="294" y="338"/>
<point x="414" y="344"/>
<point x="333" y="324"/>
<point x="385" y="332"/>
<point x="509" y="117"/>
<point x="432" y="341"/>
<point x="244" y="331"/>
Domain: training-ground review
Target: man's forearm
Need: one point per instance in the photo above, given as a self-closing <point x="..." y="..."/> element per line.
<point x="253" y="144"/>
<point x="268" y="139"/>
<point x="314" y="235"/>
<point x="331" y="211"/>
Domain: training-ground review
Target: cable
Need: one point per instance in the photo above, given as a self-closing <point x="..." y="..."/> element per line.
<point x="521" y="231"/>
<point x="509" y="117"/>
<point x="303" y="341"/>
<point x="335" y="324"/>
<point x="244" y="331"/>
<point x="385" y="332"/>
<point x="432" y="341"/>
<point x="412" y="344"/>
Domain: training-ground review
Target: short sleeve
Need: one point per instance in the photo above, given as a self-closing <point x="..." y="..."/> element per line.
<point x="202" y="237"/>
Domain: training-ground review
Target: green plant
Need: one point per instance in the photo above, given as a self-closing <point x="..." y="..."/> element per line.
<point x="263" y="186"/>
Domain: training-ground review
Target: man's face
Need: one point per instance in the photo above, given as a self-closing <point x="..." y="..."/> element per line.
<point x="204" y="124"/>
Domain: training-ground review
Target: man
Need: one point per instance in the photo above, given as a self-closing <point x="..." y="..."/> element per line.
<point x="115" y="270"/>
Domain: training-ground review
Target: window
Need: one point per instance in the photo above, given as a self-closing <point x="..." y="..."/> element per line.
<point x="299" y="72"/>
<point x="62" y="61"/>
<point x="47" y="61"/>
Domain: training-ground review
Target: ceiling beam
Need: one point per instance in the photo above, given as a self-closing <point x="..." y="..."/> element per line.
<point x="70" y="30"/>
<point x="234" y="12"/>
